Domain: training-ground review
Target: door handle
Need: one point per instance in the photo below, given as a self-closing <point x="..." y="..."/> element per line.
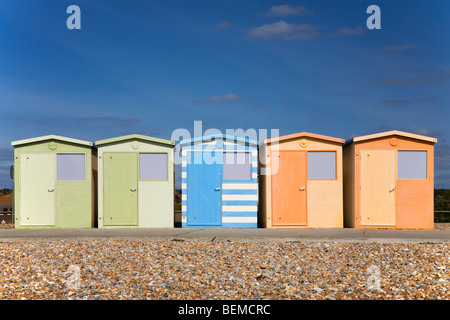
<point x="302" y="189"/>
<point x="133" y="189"/>
<point x="216" y="189"/>
<point x="392" y="189"/>
<point x="51" y="190"/>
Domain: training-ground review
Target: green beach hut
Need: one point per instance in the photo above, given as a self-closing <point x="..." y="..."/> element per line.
<point x="54" y="183"/>
<point x="136" y="182"/>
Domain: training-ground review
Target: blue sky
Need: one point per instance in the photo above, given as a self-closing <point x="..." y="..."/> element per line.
<point x="151" y="67"/>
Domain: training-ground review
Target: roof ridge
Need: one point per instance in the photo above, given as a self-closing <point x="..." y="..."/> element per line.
<point x="135" y="136"/>
<point x="51" y="137"/>
<point x="219" y="135"/>
<point x="392" y="133"/>
<point x="304" y="134"/>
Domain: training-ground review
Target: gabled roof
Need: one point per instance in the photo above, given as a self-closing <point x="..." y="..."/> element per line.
<point x="306" y="135"/>
<point x="218" y="136"/>
<point x="135" y="136"/>
<point x="52" y="137"/>
<point x="392" y="133"/>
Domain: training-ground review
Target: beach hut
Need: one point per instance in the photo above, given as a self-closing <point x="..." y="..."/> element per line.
<point x="301" y="181"/>
<point x="54" y="182"/>
<point x="388" y="181"/>
<point x="219" y="182"/>
<point x="135" y="182"/>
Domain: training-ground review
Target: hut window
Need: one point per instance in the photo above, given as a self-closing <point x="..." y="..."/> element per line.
<point x="412" y="164"/>
<point x="237" y="166"/>
<point x="153" y="166"/>
<point x="70" y="166"/>
<point x="321" y="164"/>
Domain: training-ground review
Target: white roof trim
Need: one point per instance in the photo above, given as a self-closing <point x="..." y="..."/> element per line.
<point x="392" y="133"/>
<point x="52" y="137"/>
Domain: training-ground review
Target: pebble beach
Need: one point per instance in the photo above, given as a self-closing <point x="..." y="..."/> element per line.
<point x="205" y="270"/>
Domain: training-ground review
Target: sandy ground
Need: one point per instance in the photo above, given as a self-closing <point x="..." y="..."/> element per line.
<point x="133" y="269"/>
<point x="437" y="226"/>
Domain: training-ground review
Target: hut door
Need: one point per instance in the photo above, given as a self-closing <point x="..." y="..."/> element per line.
<point x="120" y="188"/>
<point x="204" y="191"/>
<point x="289" y="189"/>
<point x="378" y="187"/>
<point x="37" y="187"/>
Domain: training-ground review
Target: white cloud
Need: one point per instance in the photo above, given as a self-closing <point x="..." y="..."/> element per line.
<point x="429" y="132"/>
<point x="286" y="10"/>
<point x="284" y="30"/>
<point x="396" y="102"/>
<point x="434" y="77"/>
<point x="351" y="31"/>
<point x="224" y="24"/>
<point x="108" y="121"/>
<point x="226" y="97"/>
<point x="400" y="47"/>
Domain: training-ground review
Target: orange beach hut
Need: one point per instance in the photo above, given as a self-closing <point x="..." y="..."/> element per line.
<point x="388" y="181"/>
<point x="301" y="182"/>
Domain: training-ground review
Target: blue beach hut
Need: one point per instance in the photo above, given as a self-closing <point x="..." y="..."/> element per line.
<point x="219" y="182"/>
